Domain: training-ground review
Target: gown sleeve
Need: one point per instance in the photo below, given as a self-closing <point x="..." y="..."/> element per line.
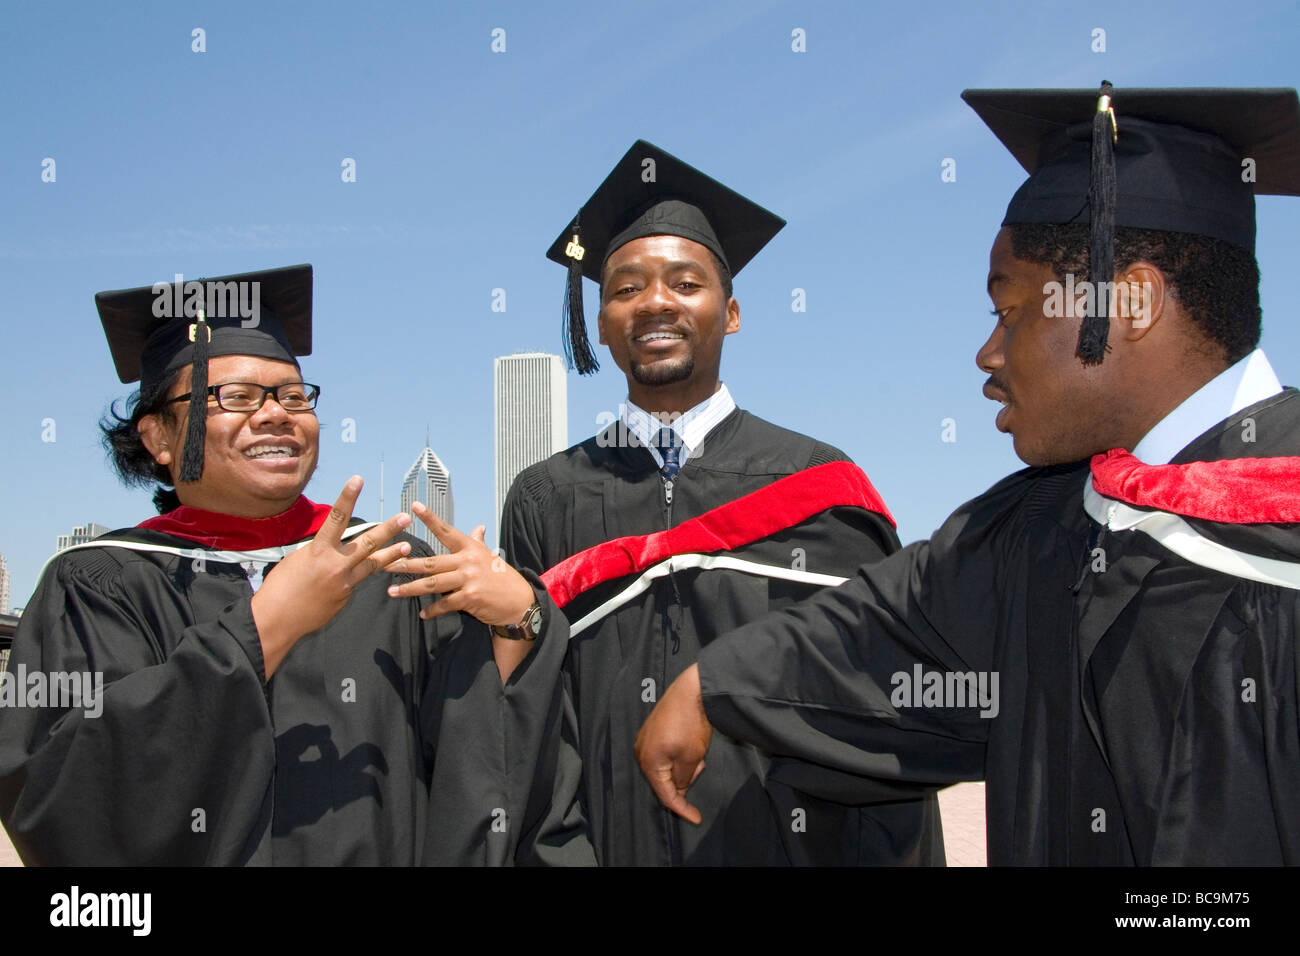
<point x="507" y="756"/>
<point x="822" y="681"/>
<point x="173" y="764"/>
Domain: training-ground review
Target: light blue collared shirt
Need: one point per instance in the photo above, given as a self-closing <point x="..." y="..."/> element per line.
<point x="1249" y="381"/>
<point x="690" y="427"/>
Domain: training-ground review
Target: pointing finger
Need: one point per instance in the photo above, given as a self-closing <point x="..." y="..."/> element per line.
<point x="368" y="542"/>
<point x="443" y="583"/>
<point x="453" y="539"/>
<point x="436" y="564"/>
<point x="331" y="532"/>
<point x="661" y="781"/>
<point x="379" y="559"/>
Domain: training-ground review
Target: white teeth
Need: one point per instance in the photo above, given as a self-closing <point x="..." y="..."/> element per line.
<point x="270" y="451"/>
<point x="651" y="336"/>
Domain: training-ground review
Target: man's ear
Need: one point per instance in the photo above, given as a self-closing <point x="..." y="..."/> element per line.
<point x="1140" y="300"/>
<point x="733" y="316"/>
<point x="600" y="325"/>
<point x="154" y="435"/>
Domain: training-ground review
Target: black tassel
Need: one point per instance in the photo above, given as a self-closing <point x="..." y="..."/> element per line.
<point x="1095" y="329"/>
<point x="577" y="347"/>
<point x="196" y="432"/>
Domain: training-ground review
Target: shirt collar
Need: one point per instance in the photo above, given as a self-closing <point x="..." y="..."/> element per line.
<point x="1249" y="381"/>
<point x="690" y="428"/>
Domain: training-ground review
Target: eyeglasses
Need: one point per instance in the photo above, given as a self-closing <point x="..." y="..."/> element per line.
<point x="250" y="396"/>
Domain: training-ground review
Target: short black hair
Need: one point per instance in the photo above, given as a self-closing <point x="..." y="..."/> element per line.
<point x="724" y="274"/>
<point x="126" y="451"/>
<point x="1215" y="282"/>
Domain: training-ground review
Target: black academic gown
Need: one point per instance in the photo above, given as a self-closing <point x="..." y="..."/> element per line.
<point x="1148" y="706"/>
<point x="380" y="739"/>
<point x="608" y="487"/>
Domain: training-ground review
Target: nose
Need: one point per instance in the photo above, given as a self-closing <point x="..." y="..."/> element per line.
<point x="656" y="297"/>
<point x="989" y="358"/>
<point x="271" y="411"/>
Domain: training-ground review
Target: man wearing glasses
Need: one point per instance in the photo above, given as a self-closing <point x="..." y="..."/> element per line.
<point x="247" y="692"/>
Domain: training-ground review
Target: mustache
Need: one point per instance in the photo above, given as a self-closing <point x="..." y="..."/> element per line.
<point x="998" y="384"/>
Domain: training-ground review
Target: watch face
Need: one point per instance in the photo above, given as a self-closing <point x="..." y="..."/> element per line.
<point x="535" y="621"/>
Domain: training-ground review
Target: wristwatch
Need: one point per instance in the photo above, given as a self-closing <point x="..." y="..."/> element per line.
<point x="525" y="630"/>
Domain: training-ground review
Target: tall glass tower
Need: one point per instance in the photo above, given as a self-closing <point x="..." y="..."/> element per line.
<point x="429" y="482"/>
<point x="530" y="415"/>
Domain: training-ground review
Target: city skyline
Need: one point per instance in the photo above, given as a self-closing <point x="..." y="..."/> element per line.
<point x="80" y="534"/>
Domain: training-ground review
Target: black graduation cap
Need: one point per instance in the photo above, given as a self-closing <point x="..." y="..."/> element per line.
<point x="1177" y="160"/>
<point x="652" y="193"/>
<point x="154" y="330"/>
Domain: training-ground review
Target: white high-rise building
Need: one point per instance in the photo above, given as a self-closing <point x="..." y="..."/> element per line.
<point x="429" y="482"/>
<point x="530" y="415"/>
<point x="80" y="535"/>
<point x="4" y="586"/>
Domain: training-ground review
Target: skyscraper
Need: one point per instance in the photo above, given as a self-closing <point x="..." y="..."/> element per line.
<point x="80" y="535"/>
<point x="4" y="586"/>
<point x="530" y="415"/>
<point x="429" y="482"/>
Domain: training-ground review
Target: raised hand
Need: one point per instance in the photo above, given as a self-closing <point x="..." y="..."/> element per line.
<point x="673" y="741"/>
<point x="471" y="578"/>
<point x="304" y="591"/>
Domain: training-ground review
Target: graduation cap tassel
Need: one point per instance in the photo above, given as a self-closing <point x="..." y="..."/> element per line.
<point x="196" y="432"/>
<point x="1095" y="329"/>
<point x="577" y="347"/>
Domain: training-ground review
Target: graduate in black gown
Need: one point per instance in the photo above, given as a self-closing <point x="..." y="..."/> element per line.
<point x="685" y="518"/>
<point x="253" y="694"/>
<point x="1136" y="590"/>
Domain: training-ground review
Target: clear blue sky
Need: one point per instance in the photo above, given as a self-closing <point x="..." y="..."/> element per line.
<point x="469" y="162"/>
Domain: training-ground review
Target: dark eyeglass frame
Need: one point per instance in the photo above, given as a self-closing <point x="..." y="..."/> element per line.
<point x="214" y="391"/>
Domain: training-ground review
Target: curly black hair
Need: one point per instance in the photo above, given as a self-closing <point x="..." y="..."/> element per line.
<point x="126" y="451"/>
<point x="1215" y="282"/>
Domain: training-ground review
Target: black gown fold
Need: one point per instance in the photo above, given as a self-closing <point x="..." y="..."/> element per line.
<point x="1147" y="705"/>
<point x="758" y="811"/>
<point x="381" y="738"/>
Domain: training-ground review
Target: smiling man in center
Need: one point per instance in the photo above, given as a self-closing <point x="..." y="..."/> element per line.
<point x="684" y="519"/>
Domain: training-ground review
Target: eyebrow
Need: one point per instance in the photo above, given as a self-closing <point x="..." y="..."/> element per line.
<point x="673" y="265"/>
<point x="244" y="381"/>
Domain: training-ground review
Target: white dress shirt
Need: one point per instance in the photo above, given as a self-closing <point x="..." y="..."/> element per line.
<point x="690" y="427"/>
<point x="1249" y="381"/>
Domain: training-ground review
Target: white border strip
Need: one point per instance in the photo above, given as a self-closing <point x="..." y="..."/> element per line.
<point x="707" y="562"/>
<point x="1171" y="531"/>
<point x="261" y="556"/>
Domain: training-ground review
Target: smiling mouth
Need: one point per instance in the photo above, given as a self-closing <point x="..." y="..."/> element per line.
<point x="658" y="336"/>
<point x="271" y="451"/>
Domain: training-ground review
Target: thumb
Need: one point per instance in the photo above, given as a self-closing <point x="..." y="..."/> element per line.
<point x="479" y="533"/>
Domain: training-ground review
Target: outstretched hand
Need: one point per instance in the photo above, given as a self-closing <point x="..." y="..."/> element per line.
<point x="471" y="578"/>
<point x="673" y="741"/>
<point x="304" y="591"/>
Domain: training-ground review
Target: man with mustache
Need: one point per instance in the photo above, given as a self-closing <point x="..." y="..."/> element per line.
<point x="1136" y="590"/>
<point x="688" y="517"/>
